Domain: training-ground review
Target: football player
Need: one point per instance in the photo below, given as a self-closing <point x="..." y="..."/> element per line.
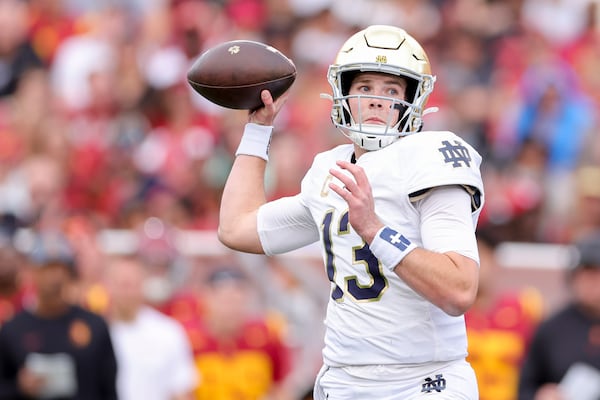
<point x="395" y="212"/>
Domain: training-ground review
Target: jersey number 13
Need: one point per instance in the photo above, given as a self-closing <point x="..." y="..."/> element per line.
<point x="361" y="255"/>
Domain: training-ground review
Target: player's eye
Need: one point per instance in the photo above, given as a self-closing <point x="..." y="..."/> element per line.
<point x="393" y="92"/>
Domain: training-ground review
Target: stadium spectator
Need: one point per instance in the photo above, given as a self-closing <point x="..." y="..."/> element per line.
<point x="13" y="293"/>
<point x="499" y="327"/>
<point x="552" y="101"/>
<point x="17" y="55"/>
<point x="516" y="197"/>
<point x="153" y="352"/>
<point x="395" y="213"/>
<point x="585" y="217"/>
<point x="55" y="349"/>
<point x="568" y="342"/>
<point x="51" y="23"/>
<point x="238" y="354"/>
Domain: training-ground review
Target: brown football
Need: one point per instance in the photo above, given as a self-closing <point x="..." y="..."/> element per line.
<point x="233" y="74"/>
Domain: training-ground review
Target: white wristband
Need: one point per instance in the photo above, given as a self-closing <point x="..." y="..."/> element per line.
<point x="255" y="141"/>
<point x="390" y="247"/>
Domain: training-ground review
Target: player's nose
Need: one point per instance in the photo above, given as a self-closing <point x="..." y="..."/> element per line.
<point x="375" y="103"/>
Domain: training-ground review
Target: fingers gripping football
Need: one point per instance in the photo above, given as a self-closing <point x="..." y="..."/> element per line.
<point x="266" y="114"/>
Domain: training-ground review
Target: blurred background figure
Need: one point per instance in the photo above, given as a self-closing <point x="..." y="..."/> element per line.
<point x="563" y="361"/>
<point x="12" y="290"/>
<point x="585" y="217"/>
<point x="153" y="352"/>
<point x="239" y="355"/>
<point x="168" y="285"/>
<point x="499" y="328"/>
<point x="17" y="55"/>
<point x="56" y="349"/>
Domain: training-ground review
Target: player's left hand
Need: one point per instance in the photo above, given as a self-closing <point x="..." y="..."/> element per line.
<point x="356" y="190"/>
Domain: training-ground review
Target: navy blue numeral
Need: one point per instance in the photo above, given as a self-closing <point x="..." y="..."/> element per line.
<point x="360" y="255"/>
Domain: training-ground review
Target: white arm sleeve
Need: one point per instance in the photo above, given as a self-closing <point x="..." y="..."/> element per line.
<point x="446" y="221"/>
<point x="284" y="225"/>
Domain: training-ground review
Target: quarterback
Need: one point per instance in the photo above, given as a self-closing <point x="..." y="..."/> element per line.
<point x="395" y="212"/>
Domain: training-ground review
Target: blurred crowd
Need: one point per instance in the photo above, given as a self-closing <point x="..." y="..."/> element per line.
<point x="99" y="129"/>
<point x="98" y="123"/>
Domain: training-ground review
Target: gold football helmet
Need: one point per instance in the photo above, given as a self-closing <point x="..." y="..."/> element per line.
<point x="385" y="49"/>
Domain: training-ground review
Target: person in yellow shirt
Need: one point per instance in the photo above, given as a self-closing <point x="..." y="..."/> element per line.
<point x="499" y="327"/>
<point x="237" y="353"/>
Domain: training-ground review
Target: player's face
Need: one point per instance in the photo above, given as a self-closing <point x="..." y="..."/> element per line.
<point x="369" y="110"/>
<point x="585" y="284"/>
<point x="51" y="281"/>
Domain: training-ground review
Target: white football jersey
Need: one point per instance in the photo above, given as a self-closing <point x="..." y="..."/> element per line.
<point x="373" y="317"/>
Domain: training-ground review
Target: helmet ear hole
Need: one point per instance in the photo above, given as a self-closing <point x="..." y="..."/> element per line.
<point x="346" y="80"/>
<point x="347" y="117"/>
<point x="411" y="89"/>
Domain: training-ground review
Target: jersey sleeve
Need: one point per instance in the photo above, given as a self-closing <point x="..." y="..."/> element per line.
<point x="285" y="224"/>
<point x="442" y="159"/>
<point x="447" y="223"/>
